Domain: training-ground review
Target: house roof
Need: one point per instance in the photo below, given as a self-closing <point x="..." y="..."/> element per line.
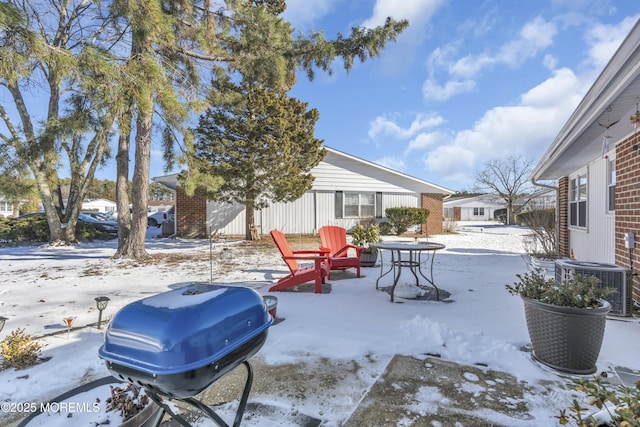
<point x="613" y="97"/>
<point x="482" y="200"/>
<point x="170" y="181"/>
<point x="433" y="187"/>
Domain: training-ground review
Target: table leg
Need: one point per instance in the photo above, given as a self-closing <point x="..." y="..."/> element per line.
<point x="412" y="266"/>
<point x="396" y="277"/>
<point x="430" y="280"/>
<point x="391" y="267"/>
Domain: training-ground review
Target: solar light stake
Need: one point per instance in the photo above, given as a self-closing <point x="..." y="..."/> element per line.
<point x="101" y="303"/>
<point x="68" y="321"/>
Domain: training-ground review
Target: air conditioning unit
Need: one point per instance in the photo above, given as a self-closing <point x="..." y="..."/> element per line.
<point x="611" y="276"/>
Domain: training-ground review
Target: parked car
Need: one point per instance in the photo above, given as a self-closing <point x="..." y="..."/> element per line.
<point x="103" y="225"/>
<point x="156" y="219"/>
<point x="107" y="226"/>
<point x="101" y="216"/>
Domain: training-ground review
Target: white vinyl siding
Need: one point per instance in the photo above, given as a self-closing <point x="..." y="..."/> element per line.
<point x="596" y="242"/>
<point x="376" y="188"/>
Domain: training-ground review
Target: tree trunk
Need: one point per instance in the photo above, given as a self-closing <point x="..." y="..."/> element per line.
<point x="122" y="183"/>
<point x="133" y="247"/>
<point x="249" y="229"/>
<point x="509" y="214"/>
<point x="56" y="233"/>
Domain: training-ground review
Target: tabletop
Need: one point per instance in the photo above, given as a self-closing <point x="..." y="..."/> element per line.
<point x="408" y="246"/>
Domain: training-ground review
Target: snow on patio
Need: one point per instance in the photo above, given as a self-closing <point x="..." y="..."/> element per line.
<point x="479" y="324"/>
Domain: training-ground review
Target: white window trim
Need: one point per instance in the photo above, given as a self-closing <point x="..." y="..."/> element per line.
<point x="577" y="175"/>
<point x="610" y="160"/>
<point x="359" y="193"/>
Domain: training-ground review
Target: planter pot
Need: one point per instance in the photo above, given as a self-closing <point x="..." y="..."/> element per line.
<point x="368" y="259"/>
<point x="567" y="339"/>
<point x="545" y="265"/>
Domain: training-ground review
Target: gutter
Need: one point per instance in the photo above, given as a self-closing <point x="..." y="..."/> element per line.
<point x="557" y="190"/>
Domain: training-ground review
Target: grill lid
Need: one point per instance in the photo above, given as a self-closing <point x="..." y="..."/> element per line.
<point x="184" y="329"/>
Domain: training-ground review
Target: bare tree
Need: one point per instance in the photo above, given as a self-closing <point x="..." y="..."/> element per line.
<point x="508" y="179"/>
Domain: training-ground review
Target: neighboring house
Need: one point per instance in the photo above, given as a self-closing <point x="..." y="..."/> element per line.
<point x="596" y="161"/>
<point x="346" y="189"/>
<point x="473" y="208"/>
<point x="159" y="205"/>
<point x="546" y="199"/>
<point x="6" y="208"/>
<point x="99" y="205"/>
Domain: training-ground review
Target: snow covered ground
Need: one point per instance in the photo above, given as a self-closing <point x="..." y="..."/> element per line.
<point x="480" y="324"/>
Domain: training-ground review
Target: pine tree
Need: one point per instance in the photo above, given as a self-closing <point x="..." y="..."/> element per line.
<point x="256" y="145"/>
<point x="261" y="145"/>
<point x="135" y="64"/>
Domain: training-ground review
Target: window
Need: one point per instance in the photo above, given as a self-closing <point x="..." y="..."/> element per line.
<point x="359" y="205"/>
<point x="578" y="201"/>
<point x="478" y="211"/>
<point x="611" y="185"/>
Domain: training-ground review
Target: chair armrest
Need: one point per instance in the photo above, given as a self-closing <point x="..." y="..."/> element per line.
<point x="358" y="249"/>
<point x="317" y="251"/>
<point x="295" y="257"/>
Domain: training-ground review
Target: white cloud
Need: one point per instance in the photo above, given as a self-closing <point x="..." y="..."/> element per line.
<point x="526" y="128"/>
<point x="399" y="55"/>
<point x="425" y="140"/>
<point x="384" y="125"/>
<point x="471" y="65"/>
<point x="392" y="163"/>
<point x="550" y="61"/>
<point x="546" y="93"/>
<point x="452" y="162"/>
<point x="442" y="56"/>
<point x="604" y="40"/>
<point x="432" y="91"/>
<point x="418" y="12"/>
<point x="534" y="37"/>
<point x="303" y="13"/>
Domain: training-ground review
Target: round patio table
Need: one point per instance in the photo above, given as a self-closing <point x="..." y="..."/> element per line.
<point x="416" y="253"/>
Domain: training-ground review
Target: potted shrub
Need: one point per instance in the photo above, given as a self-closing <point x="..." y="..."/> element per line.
<point x="363" y="235"/>
<point x="565" y="321"/>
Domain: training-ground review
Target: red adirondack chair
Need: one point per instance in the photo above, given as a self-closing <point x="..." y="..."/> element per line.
<point x="316" y="272"/>
<point x="334" y="240"/>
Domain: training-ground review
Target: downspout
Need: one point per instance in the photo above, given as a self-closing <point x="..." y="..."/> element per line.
<point x="315" y="212"/>
<point x="557" y="190"/>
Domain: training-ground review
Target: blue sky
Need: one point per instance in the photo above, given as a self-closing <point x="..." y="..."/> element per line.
<point x="467" y="82"/>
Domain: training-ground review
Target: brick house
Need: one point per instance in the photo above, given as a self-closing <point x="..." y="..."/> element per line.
<point x="595" y="161"/>
<point x="345" y="190"/>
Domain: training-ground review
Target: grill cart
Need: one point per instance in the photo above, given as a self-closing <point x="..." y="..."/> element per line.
<point x="178" y="343"/>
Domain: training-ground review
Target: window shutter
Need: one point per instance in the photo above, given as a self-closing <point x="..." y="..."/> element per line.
<point x="379" y="205"/>
<point x="338" y="204"/>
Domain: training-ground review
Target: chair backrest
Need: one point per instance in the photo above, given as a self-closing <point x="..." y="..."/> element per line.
<point x="334" y="238"/>
<point x="285" y="250"/>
